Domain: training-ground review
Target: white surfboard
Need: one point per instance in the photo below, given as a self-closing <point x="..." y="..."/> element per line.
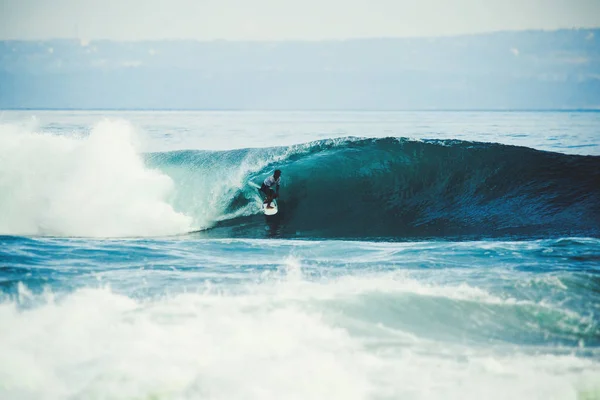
<point x="270" y="211"/>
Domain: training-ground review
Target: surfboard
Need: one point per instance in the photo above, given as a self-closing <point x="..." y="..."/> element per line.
<point x="270" y="211"/>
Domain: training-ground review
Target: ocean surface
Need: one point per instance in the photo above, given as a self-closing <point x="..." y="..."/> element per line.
<point x="416" y="255"/>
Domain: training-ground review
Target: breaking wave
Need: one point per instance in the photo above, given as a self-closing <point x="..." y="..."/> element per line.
<point x="104" y="185"/>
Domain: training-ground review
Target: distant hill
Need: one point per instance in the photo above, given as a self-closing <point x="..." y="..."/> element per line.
<point x="504" y="70"/>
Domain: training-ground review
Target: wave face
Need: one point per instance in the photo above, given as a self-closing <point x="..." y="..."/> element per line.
<point x="390" y="188"/>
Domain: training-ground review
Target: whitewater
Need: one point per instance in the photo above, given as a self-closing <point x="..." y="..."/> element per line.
<point x="416" y="255"/>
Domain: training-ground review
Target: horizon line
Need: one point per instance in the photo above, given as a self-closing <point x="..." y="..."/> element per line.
<point x="307" y="40"/>
<point x="132" y="109"/>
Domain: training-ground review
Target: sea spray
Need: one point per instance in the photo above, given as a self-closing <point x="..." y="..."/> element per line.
<point x="95" y="185"/>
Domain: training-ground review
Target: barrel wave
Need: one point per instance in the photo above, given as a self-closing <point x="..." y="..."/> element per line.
<point x="389" y="188"/>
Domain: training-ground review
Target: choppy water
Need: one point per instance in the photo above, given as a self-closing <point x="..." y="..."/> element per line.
<point x="134" y="262"/>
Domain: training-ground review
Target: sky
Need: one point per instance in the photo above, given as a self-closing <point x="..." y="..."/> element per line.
<point x="283" y="19"/>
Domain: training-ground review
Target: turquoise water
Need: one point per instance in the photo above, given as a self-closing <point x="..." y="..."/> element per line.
<point x="416" y="255"/>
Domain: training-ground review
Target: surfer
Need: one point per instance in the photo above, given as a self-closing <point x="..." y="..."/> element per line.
<point x="266" y="187"/>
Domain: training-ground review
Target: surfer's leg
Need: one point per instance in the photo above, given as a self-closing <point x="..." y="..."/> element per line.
<point x="264" y="190"/>
<point x="270" y="198"/>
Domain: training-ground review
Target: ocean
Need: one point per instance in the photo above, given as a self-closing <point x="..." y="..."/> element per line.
<point x="415" y="255"/>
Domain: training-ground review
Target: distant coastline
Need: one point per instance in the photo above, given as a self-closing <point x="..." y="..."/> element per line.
<point x="510" y="70"/>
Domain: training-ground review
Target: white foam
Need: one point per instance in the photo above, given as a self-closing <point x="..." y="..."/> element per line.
<point x="96" y="185"/>
<point x="98" y="344"/>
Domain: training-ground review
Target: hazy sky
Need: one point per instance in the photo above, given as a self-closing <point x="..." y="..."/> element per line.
<point x="283" y="19"/>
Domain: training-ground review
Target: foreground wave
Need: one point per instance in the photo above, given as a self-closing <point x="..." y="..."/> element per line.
<point x="260" y="319"/>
